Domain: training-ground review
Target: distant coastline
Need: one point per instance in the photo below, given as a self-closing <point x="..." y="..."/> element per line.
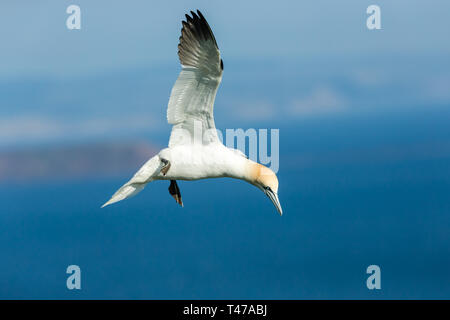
<point x="106" y="159"/>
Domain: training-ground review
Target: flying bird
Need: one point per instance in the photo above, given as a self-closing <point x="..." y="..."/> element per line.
<point x="195" y="151"/>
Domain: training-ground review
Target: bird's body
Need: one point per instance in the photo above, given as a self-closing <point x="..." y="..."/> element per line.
<point x="203" y="161"/>
<point x="194" y="150"/>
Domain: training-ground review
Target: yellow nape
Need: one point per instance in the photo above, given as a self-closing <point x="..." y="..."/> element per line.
<point x="264" y="176"/>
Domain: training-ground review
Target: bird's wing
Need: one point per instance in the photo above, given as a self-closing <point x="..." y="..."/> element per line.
<point x="191" y="101"/>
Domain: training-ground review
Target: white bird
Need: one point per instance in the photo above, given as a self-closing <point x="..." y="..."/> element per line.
<point x="194" y="150"/>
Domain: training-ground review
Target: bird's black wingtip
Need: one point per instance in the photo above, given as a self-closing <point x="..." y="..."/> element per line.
<point x="195" y="32"/>
<point x="194" y="15"/>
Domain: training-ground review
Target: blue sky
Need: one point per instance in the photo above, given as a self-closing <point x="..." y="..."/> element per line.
<point x="292" y="61"/>
<point x="144" y="34"/>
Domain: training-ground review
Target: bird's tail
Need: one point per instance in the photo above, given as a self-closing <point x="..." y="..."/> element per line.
<point x="126" y="191"/>
<point x="138" y="182"/>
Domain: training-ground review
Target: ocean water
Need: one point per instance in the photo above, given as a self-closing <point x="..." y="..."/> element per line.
<point x="347" y="205"/>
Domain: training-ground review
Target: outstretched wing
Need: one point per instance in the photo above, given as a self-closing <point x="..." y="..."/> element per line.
<point x="192" y="98"/>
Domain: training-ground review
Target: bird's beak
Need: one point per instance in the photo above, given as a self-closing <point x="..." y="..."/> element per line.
<point x="274" y="198"/>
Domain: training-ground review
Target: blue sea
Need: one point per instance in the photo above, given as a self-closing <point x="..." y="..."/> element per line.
<point x="356" y="191"/>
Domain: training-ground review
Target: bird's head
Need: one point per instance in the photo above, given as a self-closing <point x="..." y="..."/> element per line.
<point x="266" y="180"/>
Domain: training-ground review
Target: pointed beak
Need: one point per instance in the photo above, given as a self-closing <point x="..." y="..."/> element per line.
<point x="274" y="198"/>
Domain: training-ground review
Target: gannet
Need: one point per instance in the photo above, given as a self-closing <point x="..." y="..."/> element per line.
<point x="194" y="151"/>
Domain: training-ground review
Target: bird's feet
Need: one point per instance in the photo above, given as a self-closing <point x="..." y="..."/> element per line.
<point x="175" y="192"/>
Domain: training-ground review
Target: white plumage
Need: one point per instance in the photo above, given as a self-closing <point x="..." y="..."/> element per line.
<point x="194" y="151"/>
